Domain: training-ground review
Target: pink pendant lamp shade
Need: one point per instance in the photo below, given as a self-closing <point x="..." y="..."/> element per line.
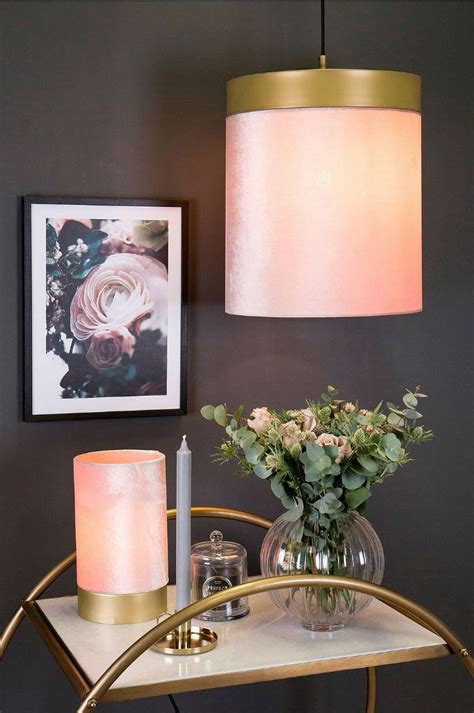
<point x="121" y="535"/>
<point x="323" y="211"/>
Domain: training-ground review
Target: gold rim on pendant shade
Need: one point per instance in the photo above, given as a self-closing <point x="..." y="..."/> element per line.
<point x="304" y="88"/>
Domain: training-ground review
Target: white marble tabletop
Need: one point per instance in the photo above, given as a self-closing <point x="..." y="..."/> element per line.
<point x="265" y="645"/>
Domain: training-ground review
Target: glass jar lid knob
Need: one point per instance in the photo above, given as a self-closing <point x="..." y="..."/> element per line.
<point x="216" y="538"/>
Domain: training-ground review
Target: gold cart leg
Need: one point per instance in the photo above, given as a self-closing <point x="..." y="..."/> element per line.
<point x="42" y="585"/>
<point x="371" y="690"/>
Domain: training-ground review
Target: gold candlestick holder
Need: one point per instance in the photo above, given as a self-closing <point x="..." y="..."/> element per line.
<point x="186" y="640"/>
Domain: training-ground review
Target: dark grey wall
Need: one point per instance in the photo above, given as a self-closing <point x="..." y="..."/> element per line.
<point x="127" y="99"/>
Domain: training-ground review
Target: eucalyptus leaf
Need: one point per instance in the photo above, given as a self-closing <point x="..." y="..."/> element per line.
<point x="394" y="419"/>
<point x="247" y="438"/>
<point x="310" y="470"/>
<point x="332" y="451"/>
<point x="323" y="521"/>
<point x="220" y="415"/>
<point x="368" y="464"/>
<point x="412" y="414"/>
<point x="253" y="453"/>
<point x="398" y="412"/>
<point x="207" y="412"/>
<point x="352" y="480"/>
<point x="277" y="487"/>
<point x="287" y="501"/>
<point x="296" y="511"/>
<point x="239" y="413"/>
<point x="392" y="454"/>
<point x="354" y="498"/>
<point x="391" y="446"/>
<point x="312" y="475"/>
<point x="329" y="504"/>
<point x="262" y="471"/>
<point x="410" y="400"/>
<point x="307" y="489"/>
<point x="390" y="440"/>
<point x="323" y="463"/>
<point x="314" y="452"/>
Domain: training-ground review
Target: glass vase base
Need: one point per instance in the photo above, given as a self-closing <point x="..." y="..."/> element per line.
<point x="320" y="626"/>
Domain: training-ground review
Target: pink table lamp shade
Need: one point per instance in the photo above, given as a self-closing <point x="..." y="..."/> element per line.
<point x="121" y="525"/>
<point x="323" y="212"/>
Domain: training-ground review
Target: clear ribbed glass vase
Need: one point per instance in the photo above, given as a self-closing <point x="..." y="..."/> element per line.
<point x="355" y="551"/>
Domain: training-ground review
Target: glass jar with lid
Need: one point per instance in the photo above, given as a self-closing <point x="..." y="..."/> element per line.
<point x="217" y="565"/>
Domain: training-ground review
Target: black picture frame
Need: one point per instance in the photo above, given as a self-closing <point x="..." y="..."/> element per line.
<point x="28" y="202"/>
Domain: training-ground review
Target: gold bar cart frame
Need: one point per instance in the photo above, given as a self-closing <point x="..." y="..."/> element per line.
<point x="93" y="693"/>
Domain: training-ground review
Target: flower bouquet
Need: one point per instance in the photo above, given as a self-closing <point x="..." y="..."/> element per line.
<point x="322" y="462"/>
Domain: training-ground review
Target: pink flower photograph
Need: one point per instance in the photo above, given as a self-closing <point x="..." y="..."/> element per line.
<point x="112" y="292"/>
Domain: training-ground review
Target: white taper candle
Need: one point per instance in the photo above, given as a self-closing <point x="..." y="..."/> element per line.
<point x="183" y="525"/>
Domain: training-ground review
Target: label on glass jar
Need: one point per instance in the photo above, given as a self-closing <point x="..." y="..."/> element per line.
<point x="215" y="584"/>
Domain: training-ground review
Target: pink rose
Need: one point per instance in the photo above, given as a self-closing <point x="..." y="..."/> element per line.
<point x="259" y="420"/>
<point x="327" y="439"/>
<point x="58" y="223"/>
<point x="343" y="445"/>
<point x="290" y="433"/>
<point x="345" y="450"/>
<point x="106" y="349"/>
<point x="119" y="229"/>
<point x="111" y="246"/>
<point x="310" y="421"/>
<point x="123" y="289"/>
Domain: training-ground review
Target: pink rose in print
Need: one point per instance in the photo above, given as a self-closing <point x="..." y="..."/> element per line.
<point x="125" y="288"/>
<point x="107" y="349"/>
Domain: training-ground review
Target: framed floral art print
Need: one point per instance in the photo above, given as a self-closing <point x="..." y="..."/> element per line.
<point x="105" y="307"/>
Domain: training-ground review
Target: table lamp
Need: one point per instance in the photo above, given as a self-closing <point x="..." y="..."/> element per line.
<point x="121" y="535"/>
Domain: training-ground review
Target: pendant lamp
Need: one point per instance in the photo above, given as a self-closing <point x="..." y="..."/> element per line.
<point x="323" y="193"/>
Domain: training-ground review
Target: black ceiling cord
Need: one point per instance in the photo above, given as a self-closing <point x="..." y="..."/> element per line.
<point x="323" y="27"/>
<point x="173" y="703"/>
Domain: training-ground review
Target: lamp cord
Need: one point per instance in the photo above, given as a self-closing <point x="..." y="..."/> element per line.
<point x="173" y="703"/>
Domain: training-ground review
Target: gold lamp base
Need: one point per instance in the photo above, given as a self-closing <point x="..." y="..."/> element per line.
<point x="121" y="608"/>
<point x="187" y="640"/>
